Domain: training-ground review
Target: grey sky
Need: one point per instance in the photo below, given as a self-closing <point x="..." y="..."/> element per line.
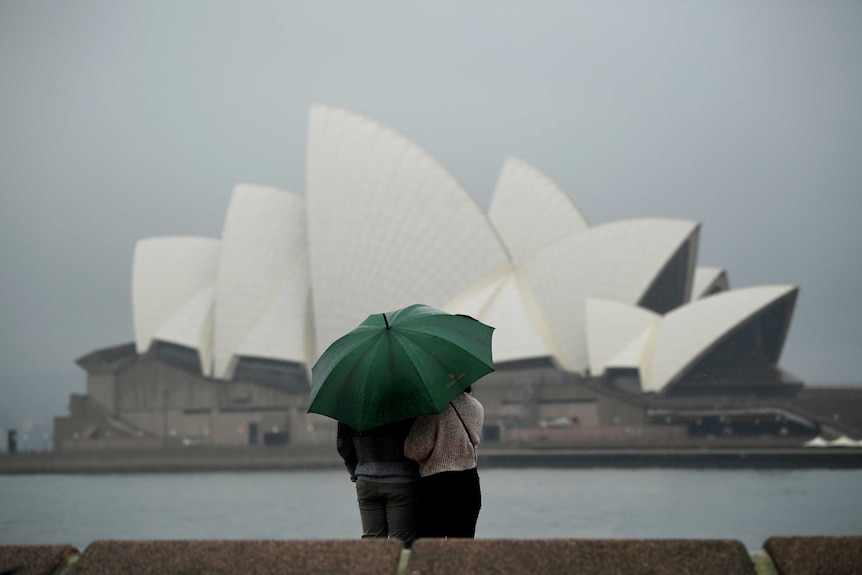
<point x="124" y="120"/>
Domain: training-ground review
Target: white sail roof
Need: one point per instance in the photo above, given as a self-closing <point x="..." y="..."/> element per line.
<point x="611" y="326"/>
<point x="634" y="354"/>
<point x="388" y="225"/>
<point x="617" y="261"/>
<point x="687" y="333"/>
<point x="172" y="291"/>
<point x="384" y="224"/>
<point x="707" y="281"/>
<point x="192" y="326"/>
<point x="531" y="211"/>
<point x="262" y="290"/>
<point x="520" y="330"/>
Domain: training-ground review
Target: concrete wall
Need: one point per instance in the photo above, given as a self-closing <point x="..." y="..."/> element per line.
<point x="582" y="413"/>
<point x="152" y="385"/>
<point x="598" y="435"/>
<point x="151" y="398"/>
<point x="100" y="388"/>
<point x="531" y="397"/>
<point x="84" y="422"/>
<point x="111" y="443"/>
<point x="155" y="398"/>
<point x="616" y="412"/>
<point x="171" y="402"/>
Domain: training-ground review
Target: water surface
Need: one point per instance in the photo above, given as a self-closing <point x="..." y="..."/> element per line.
<point x="748" y="505"/>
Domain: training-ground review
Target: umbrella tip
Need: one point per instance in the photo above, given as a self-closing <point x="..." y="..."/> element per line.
<point x="387" y="321"/>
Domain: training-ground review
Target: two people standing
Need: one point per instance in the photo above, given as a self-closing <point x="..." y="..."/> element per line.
<point x="418" y="478"/>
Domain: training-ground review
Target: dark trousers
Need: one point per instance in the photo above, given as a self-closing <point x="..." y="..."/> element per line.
<point x="449" y="504"/>
<point x="388" y="509"/>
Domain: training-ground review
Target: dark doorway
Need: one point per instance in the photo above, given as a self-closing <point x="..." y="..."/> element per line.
<point x="253" y="434"/>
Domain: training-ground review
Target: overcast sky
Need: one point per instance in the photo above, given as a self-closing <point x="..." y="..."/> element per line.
<point x="125" y="120"/>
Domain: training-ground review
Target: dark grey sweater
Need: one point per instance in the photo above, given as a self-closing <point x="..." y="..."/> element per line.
<point x="377" y="455"/>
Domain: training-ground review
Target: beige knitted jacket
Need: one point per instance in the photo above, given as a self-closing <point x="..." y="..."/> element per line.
<point x="440" y="443"/>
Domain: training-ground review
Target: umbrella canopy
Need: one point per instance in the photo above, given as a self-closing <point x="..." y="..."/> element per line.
<point x="398" y="365"/>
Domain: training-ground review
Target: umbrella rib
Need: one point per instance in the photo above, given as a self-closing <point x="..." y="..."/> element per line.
<point x="347" y="373"/>
<point x="415" y="369"/>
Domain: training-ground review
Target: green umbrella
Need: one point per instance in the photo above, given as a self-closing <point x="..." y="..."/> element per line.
<point x="398" y="365"/>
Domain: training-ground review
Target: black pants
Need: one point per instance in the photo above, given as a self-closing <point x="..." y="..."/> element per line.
<point x="449" y="504"/>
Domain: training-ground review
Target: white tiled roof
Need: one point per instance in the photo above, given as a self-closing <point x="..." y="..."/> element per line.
<point x="617" y="261"/>
<point x="262" y="271"/>
<point x="687" y="333"/>
<point x="531" y="211"/>
<point x="383" y="225"/>
<point x="172" y="291"/>
<point x="388" y="225"/>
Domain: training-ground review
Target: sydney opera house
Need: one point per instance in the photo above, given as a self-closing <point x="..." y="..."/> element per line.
<point x="604" y="333"/>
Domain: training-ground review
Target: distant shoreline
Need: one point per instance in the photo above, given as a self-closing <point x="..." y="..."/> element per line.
<point x="303" y="458"/>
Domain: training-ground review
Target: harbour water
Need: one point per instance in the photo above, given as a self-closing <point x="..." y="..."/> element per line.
<point x="747" y="505"/>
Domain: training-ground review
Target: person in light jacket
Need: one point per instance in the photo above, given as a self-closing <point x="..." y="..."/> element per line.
<point x="444" y="445"/>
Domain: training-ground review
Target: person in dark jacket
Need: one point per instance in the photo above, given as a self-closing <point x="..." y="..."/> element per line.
<point x="387" y="483"/>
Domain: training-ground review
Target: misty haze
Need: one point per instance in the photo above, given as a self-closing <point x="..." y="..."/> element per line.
<point x="655" y="204"/>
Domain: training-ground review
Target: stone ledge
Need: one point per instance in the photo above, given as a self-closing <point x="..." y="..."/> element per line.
<point x="36" y="559"/>
<point x="780" y="556"/>
<point x="582" y="556"/>
<point x="820" y="555"/>
<point x="217" y="557"/>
